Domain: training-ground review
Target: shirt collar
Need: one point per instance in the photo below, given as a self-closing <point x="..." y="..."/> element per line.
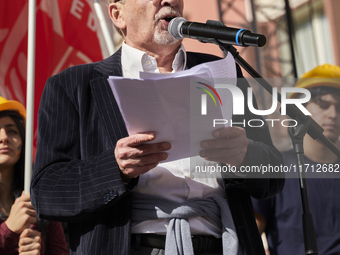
<point x="135" y="61"/>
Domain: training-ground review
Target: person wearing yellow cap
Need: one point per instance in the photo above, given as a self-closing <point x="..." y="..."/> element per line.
<point x="281" y="217"/>
<point x="323" y="76"/>
<point x="16" y="210"/>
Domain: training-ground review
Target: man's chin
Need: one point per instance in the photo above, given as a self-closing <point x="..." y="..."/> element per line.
<point x="164" y="38"/>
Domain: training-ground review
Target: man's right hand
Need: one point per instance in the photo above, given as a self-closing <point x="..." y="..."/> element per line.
<point x="22" y="214"/>
<point x="134" y="157"/>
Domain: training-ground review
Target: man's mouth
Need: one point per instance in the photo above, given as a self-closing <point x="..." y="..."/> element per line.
<point x="167" y="18"/>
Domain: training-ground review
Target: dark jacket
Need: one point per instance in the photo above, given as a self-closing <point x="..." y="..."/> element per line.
<point x="76" y="178"/>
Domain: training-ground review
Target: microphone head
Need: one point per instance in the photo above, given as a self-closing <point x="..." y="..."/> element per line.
<point x="175" y="26"/>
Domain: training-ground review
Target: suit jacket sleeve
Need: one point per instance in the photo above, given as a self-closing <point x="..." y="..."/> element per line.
<point x="75" y="172"/>
<point x="261" y="152"/>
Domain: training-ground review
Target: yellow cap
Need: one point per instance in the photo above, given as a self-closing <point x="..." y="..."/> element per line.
<point x="323" y="75"/>
<point x="12" y="105"/>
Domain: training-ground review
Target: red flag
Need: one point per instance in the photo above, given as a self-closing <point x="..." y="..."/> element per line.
<point x="67" y="34"/>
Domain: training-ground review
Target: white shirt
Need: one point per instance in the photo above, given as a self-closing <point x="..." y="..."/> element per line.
<point x="176" y="180"/>
<point x="135" y="61"/>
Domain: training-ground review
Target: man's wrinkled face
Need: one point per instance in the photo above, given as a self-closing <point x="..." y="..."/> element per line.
<point x="147" y="21"/>
<point x="326" y="112"/>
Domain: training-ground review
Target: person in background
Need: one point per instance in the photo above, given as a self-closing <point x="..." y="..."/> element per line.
<point x="280" y="217"/>
<point x="113" y="189"/>
<point x="20" y="230"/>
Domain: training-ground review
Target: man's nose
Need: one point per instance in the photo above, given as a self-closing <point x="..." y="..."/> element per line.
<point x="170" y="2"/>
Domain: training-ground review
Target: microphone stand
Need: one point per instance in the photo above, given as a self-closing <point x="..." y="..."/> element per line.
<point x="305" y="125"/>
<point x="297" y="134"/>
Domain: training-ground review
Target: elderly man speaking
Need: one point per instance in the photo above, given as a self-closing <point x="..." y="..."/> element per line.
<point x="111" y="187"/>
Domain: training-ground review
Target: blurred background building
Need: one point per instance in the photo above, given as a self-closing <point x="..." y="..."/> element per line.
<point x="310" y="24"/>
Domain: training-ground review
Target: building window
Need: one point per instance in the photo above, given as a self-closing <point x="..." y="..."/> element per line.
<point x="313" y="43"/>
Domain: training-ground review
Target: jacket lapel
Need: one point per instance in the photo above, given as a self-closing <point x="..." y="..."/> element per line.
<point x="105" y="102"/>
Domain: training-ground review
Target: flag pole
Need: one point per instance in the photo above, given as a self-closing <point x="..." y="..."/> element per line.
<point x="104" y="27"/>
<point x="30" y="93"/>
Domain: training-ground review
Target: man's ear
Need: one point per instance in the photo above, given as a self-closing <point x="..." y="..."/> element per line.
<point x="116" y="15"/>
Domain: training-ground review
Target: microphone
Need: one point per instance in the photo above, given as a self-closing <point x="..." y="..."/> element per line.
<point x="212" y="31"/>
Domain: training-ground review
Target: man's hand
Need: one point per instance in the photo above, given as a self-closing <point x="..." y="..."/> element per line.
<point x="134" y="157"/>
<point x="30" y="242"/>
<point x="229" y="146"/>
<point x="22" y="214"/>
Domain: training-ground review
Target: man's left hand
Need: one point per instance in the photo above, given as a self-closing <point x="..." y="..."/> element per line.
<point x="229" y="146"/>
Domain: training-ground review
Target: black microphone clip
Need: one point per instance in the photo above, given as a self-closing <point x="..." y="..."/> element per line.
<point x="238" y="37"/>
<point x="214" y="32"/>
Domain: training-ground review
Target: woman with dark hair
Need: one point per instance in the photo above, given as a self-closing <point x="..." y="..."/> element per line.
<point x="20" y="230"/>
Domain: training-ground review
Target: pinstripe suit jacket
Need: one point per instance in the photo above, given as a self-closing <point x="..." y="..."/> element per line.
<point x="76" y="178"/>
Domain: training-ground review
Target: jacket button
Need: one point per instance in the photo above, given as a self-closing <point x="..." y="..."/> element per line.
<point x="115" y="192"/>
<point x="106" y="199"/>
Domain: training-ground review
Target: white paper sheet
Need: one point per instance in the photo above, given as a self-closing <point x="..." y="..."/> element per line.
<point x="170" y="105"/>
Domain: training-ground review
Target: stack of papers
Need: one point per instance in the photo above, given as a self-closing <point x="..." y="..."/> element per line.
<point x="171" y="105"/>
